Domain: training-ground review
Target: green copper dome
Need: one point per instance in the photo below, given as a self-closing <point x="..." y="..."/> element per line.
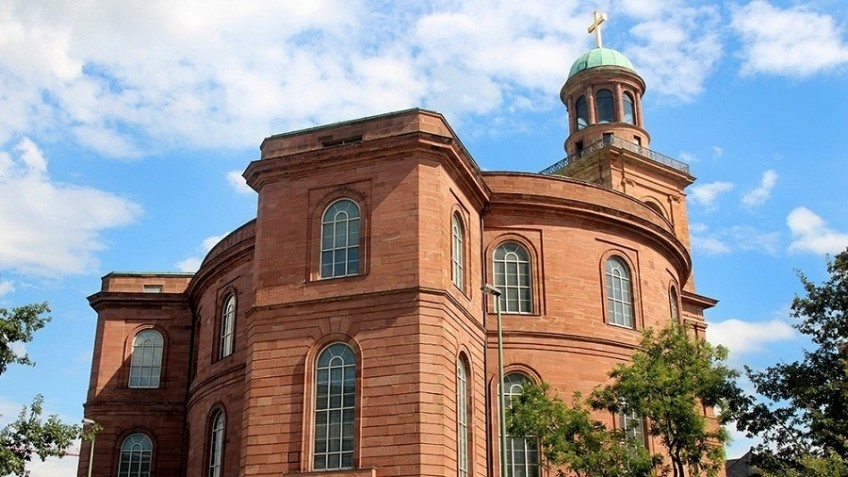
<point x="600" y="57"/>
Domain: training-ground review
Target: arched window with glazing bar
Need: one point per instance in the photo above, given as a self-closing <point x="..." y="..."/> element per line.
<point x="619" y="293"/>
<point x="335" y="396"/>
<point x="340" y="234"/>
<point x="146" y="360"/>
<point x="136" y="456"/>
<point x="522" y="455"/>
<point x="512" y="276"/>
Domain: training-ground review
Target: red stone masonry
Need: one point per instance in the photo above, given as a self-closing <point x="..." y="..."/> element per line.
<point x="402" y="315"/>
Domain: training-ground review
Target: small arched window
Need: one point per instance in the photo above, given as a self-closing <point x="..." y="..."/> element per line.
<point x="462" y="419"/>
<point x="228" y="327"/>
<point x="335" y="395"/>
<point x="146" y="361"/>
<point x="629" y="109"/>
<point x="656" y="208"/>
<point x="136" y="456"/>
<point x="457" y="258"/>
<point x="522" y="455"/>
<point x="619" y="293"/>
<point x="216" y="445"/>
<point x="340" y="240"/>
<point x="512" y="277"/>
<point x="582" y="112"/>
<point x="673" y="304"/>
<point x="606" y="106"/>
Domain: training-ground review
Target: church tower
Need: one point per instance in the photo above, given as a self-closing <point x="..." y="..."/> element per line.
<point x="608" y="144"/>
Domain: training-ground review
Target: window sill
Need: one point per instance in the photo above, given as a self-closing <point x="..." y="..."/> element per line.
<point x="365" y="472"/>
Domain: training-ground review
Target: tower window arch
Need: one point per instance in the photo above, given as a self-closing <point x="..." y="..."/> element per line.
<point x="216" y="444"/>
<point x="136" y="456"/>
<point x="340" y="226"/>
<point x="619" y="293"/>
<point x="335" y="395"/>
<point x="146" y="360"/>
<point x="522" y="455"/>
<point x="462" y="417"/>
<point x="512" y="276"/>
<point x="582" y="112"/>
<point x="228" y="326"/>
<point x="457" y="252"/>
<point x="673" y="305"/>
<point x="605" y="103"/>
<point x="629" y="108"/>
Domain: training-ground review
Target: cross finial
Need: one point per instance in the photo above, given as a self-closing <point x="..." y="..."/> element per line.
<point x="595" y="27"/>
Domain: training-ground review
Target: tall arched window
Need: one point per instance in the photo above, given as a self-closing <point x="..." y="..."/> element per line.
<point x="335" y="393"/>
<point x="619" y="293"/>
<point x="340" y="240"/>
<point x="606" y="106"/>
<point x="136" y="456"/>
<point x="629" y="109"/>
<point x="522" y="455"/>
<point x="457" y="258"/>
<point x="462" y="417"/>
<point x="228" y="327"/>
<point x="582" y="112"/>
<point x="146" y="361"/>
<point x="633" y="426"/>
<point x="216" y="445"/>
<point x="512" y="276"/>
<point x="673" y="304"/>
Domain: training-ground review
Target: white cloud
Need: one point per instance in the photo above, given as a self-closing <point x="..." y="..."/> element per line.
<point x="761" y="194"/>
<point x="237" y="182"/>
<point x="57" y="226"/>
<point x="793" y="41"/>
<point x="54" y="466"/>
<point x="717" y="151"/>
<point x="6" y="287"/>
<point x="743" y="337"/>
<point x="810" y="233"/>
<point x="676" y="51"/>
<point x="687" y="157"/>
<point x="706" y="194"/>
<point x="130" y="78"/>
<point x="734" y="238"/>
<point x="192" y="264"/>
<point x="710" y="245"/>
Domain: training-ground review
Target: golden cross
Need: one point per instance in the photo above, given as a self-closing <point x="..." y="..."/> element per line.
<point x="598" y="18"/>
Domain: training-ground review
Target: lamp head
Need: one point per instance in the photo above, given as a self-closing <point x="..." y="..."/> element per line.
<point x="491" y="290"/>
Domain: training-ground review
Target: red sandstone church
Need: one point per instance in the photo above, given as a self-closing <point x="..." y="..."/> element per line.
<point x="343" y="332"/>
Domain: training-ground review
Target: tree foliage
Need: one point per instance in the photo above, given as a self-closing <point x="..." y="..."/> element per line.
<point x="803" y="415"/>
<point x="17" y="326"/>
<point x="671" y="380"/>
<point x="568" y="436"/>
<point x="30" y="435"/>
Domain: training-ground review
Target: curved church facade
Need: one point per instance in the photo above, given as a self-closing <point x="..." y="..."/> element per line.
<point x="344" y="332"/>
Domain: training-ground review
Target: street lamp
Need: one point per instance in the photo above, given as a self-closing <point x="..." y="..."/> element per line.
<point x="90" y="422"/>
<point x="496" y="292"/>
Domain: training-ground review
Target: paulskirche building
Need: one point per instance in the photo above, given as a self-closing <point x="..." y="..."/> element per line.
<point x="344" y="332"/>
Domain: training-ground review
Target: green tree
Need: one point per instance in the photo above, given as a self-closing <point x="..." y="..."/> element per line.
<point x="569" y="438"/>
<point x="670" y="380"/>
<point x="802" y="416"/>
<point x="30" y="435"/>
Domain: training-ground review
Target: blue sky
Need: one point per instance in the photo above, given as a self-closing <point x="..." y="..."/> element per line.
<point x="125" y="127"/>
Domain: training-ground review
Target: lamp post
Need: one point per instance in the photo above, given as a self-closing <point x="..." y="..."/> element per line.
<point x="496" y="292"/>
<point x="90" y="422"/>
